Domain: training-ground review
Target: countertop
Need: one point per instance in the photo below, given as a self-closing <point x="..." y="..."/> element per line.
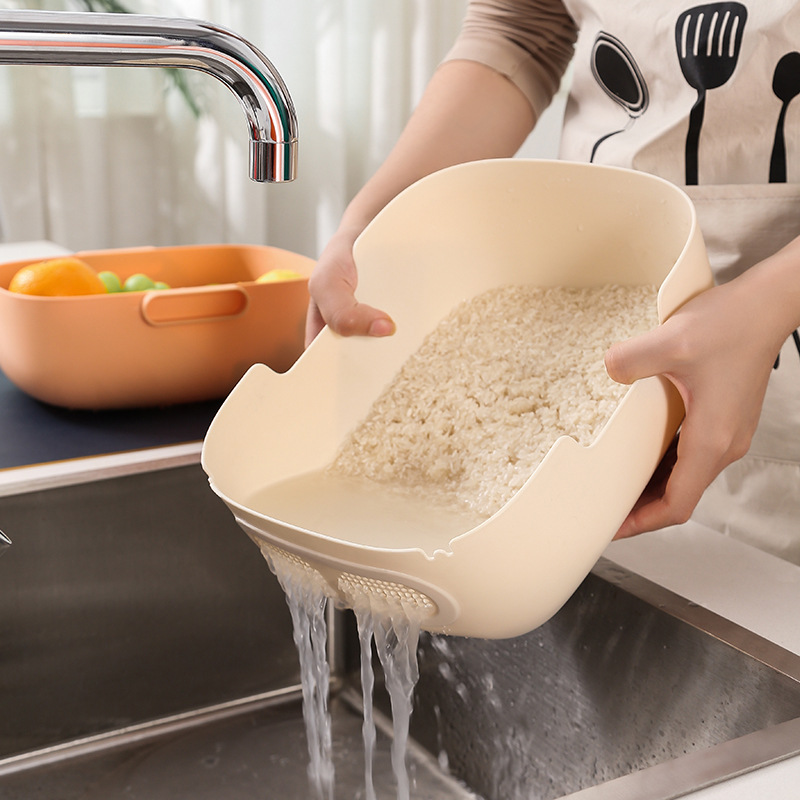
<point x="36" y="433"/>
<point x="42" y="445"/>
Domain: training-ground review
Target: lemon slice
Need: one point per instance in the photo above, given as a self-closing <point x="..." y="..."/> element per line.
<point x="277" y="275"/>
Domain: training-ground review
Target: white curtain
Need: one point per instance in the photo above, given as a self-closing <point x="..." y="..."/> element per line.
<point x="94" y="158"/>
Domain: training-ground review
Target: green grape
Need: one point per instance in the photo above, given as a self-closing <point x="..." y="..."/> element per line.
<point x="111" y="281"/>
<point x="138" y="283"/>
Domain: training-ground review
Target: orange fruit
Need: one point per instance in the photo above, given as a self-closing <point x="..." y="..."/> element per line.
<point x="57" y="277"/>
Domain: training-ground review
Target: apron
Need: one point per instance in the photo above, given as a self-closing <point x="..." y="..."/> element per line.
<point x="701" y="94"/>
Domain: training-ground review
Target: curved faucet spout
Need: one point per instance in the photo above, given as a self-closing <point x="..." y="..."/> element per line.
<point x="132" y="40"/>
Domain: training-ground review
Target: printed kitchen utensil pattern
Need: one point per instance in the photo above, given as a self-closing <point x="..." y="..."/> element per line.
<point x="708" y="39"/>
<point x="616" y="71"/>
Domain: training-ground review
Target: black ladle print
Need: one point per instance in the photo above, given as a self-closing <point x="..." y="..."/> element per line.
<point x="786" y="86"/>
<point x="617" y="73"/>
<point x="708" y="39"/>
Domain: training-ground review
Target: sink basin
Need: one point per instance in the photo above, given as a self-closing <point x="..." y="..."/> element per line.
<point x="628" y="692"/>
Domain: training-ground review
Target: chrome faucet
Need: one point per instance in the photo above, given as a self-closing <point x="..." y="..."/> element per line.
<point x="4" y="542"/>
<point x="132" y="40"/>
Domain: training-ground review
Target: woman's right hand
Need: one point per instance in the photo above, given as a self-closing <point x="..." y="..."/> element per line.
<point x="332" y="287"/>
<point x="442" y="131"/>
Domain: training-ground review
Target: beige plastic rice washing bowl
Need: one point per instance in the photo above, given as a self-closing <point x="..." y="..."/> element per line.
<point x="449" y="237"/>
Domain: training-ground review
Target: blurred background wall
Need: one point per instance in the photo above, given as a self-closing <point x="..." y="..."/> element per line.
<point x="94" y="158"/>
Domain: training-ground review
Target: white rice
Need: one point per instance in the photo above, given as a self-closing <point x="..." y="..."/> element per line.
<point x="472" y="413"/>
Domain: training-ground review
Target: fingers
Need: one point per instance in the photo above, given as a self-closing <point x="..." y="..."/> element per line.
<point x="333" y="302"/>
<point x="359" y="319"/>
<point x="697" y="457"/>
<point x="670" y="497"/>
<point x="350" y="319"/>
<point x="649" y="508"/>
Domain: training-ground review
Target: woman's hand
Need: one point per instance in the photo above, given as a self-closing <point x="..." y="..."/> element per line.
<point x="332" y="288"/>
<point x="718" y="350"/>
<point x="443" y="130"/>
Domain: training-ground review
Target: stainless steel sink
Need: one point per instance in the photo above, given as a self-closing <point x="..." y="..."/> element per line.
<point x="628" y="692"/>
<point x="146" y="652"/>
<point x="149" y="655"/>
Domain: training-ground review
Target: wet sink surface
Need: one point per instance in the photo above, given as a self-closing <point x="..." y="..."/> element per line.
<point x="628" y="692"/>
<point x="255" y="755"/>
<point x="612" y="685"/>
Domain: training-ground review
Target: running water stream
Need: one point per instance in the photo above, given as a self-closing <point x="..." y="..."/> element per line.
<point x="307" y="598"/>
<point x="393" y="626"/>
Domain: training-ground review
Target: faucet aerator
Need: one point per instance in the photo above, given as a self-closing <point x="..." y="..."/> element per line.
<point x="274" y="162"/>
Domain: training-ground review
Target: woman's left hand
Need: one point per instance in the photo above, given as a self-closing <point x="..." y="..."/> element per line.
<point x="718" y="350"/>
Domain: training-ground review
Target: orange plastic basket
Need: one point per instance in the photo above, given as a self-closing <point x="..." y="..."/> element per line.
<point x="191" y="342"/>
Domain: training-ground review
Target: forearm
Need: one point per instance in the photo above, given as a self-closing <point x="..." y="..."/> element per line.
<point x="468" y="112"/>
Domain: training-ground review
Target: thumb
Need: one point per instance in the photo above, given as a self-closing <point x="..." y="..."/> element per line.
<point x="359" y="319"/>
<point x="639" y="357"/>
<point x="333" y="302"/>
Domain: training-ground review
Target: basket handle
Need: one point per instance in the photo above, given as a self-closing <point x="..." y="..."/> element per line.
<point x="194" y="304"/>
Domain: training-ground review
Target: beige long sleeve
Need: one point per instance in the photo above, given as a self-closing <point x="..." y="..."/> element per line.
<point x="529" y="41"/>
